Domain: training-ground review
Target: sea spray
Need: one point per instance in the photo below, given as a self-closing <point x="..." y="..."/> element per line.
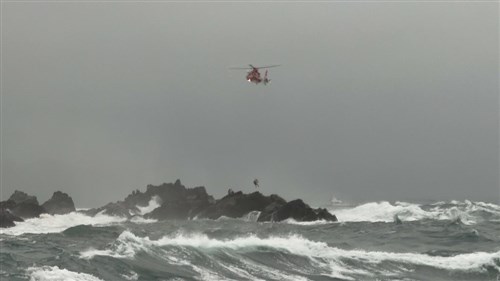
<point x="56" y="223"/>
<point x="54" y="273"/>
<point x="154" y="203"/>
<point x="384" y="211"/>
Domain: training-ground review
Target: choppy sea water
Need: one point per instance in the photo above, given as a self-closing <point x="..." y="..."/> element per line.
<point x="437" y="241"/>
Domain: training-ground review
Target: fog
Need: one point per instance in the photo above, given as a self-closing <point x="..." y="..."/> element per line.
<point x="372" y="101"/>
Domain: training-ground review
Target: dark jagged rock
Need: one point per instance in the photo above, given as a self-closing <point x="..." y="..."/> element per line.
<point x="268" y="213"/>
<point x="324" y="214"/>
<point x="60" y="203"/>
<point x="297" y="210"/>
<point x="180" y="210"/>
<point x="272" y="208"/>
<point x="20" y="205"/>
<point x="20" y="197"/>
<point x="137" y="198"/>
<point x="178" y="202"/>
<point x="300" y="211"/>
<point x="9" y="204"/>
<point x="27" y="210"/>
<point x="237" y="204"/>
<point x="185" y="208"/>
<point x="118" y="209"/>
<point x="169" y="192"/>
<point x="7" y="219"/>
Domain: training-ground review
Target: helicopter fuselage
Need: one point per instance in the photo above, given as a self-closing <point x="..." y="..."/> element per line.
<point x="253" y="76"/>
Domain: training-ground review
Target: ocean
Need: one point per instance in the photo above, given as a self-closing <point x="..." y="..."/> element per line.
<point x="457" y="240"/>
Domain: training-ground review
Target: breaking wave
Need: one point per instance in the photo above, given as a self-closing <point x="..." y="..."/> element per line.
<point x="113" y="248"/>
<point x="141" y="220"/>
<point x="252" y="216"/>
<point x="154" y="203"/>
<point x="467" y="212"/>
<point x="317" y="222"/>
<point x="333" y="262"/>
<point x="54" y="273"/>
<point x="56" y="223"/>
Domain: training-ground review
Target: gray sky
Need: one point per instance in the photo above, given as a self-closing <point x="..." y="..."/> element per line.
<point x="373" y="101"/>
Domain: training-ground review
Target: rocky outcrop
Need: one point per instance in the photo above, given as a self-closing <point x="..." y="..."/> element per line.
<point x="22" y="197"/>
<point x="118" y="209"/>
<point x="180" y="203"/>
<point x="9" y="204"/>
<point x="7" y="219"/>
<point x="272" y="208"/>
<point x="324" y="214"/>
<point x="237" y="204"/>
<point x="19" y="206"/>
<point x="27" y="210"/>
<point x="25" y="206"/>
<point x="300" y="211"/>
<point x="177" y="202"/>
<point x="171" y="201"/>
<point x="60" y="203"/>
<point x="186" y="204"/>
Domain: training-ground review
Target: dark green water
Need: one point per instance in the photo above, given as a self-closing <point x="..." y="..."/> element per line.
<point x="441" y="241"/>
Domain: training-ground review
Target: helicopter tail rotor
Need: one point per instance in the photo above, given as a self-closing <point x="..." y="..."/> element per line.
<point x="266" y="80"/>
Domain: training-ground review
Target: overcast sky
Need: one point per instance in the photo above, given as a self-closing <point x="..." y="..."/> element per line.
<point x="373" y="101"/>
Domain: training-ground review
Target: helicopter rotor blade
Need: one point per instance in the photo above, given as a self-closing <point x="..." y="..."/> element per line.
<point x="269" y="66"/>
<point x="253" y="67"/>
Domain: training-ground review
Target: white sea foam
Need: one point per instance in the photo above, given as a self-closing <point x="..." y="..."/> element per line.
<point x="330" y="259"/>
<point x="381" y="211"/>
<point x="56" y="223"/>
<point x="468" y="212"/>
<point x="141" y="220"/>
<point x="154" y="203"/>
<point x="301" y="246"/>
<point x="132" y="276"/>
<point x="128" y="245"/>
<point x="318" y="222"/>
<point x="92" y="252"/>
<point x="252" y="216"/>
<point x="54" y="273"/>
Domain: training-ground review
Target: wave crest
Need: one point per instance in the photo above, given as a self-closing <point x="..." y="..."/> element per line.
<point x="57" y="223"/>
<point x="336" y="262"/>
<point x="467" y="212"/>
<point x="154" y="203"/>
<point x="54" y="273"/>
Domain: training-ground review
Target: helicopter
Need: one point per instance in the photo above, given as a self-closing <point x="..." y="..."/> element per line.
<point x="253" y="76"/>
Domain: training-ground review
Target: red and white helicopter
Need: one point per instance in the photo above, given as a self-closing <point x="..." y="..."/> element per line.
<point x="253" y="76"/>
